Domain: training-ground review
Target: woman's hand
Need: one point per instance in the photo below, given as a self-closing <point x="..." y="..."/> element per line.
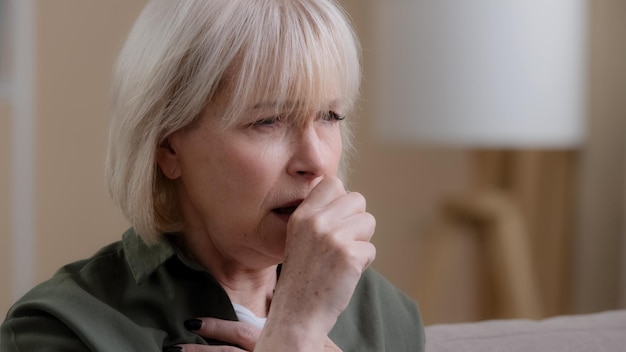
<point x="327" y="249"/>
<point x="237" y="333"/>
<point x="329" y="346"/>
<point x="233" y="333"/>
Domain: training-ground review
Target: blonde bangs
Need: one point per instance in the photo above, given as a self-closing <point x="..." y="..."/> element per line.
<point x="299" y="57"/>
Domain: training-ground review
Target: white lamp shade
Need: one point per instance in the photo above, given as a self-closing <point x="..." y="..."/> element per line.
<point x="480" y="73"/>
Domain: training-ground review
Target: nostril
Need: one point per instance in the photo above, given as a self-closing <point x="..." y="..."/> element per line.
<point x="309" y="174"/>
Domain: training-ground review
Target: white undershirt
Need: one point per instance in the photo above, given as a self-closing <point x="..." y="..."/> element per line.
<point x="244" y="314"/>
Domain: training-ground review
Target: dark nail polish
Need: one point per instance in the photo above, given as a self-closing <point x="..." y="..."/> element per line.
<point x="193" y="324"/>
<point x="173" y="349"/>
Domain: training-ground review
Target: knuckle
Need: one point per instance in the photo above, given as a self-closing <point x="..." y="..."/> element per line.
<point x="351" y="255"/>
<point x="297" y="216"/>
<point x="358" y="200"/>
<point x="319" y="225"/>
<point x="358" y="197"/>
<point x="371" y="251"/>
<point x="335" y="182"/>
<point x="246" y="334"/>
<point x="209" y="326"/>
<point x="371" y="219"/>
<point x="335" y="185"/>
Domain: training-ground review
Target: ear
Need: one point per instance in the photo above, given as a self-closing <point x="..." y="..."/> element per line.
<point x="168" y="160"/>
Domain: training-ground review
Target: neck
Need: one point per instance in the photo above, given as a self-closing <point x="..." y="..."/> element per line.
<point x="251" y="287"/>
<point x="253" y="290"/>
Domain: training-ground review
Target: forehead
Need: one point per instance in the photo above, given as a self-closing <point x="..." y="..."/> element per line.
<point x="300" y="98"/>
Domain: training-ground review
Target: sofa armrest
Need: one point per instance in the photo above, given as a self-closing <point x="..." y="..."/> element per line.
<point x="599" y="332"/>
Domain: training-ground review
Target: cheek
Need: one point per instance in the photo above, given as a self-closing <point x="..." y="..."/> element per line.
<point x="336" y="150"/>
<point x="252" y="166"/>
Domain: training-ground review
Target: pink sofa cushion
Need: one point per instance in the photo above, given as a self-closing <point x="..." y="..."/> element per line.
<point x="597" y="332"/>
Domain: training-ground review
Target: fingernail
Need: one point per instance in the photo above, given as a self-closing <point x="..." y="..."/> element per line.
<point x="193" y="324"/>
<point x="173" y="349"/>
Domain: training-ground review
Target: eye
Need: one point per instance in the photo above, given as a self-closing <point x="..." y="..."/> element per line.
<point x="267" y="122"/>
<point x="331" y="116"/>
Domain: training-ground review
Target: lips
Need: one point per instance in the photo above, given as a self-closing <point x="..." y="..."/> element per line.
<point x="287" y="209"/>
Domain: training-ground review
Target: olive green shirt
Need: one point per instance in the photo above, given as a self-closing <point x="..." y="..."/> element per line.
<point x="134" y="297"/>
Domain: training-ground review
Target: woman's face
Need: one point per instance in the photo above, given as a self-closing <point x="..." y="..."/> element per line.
<point x="238" y="186"/>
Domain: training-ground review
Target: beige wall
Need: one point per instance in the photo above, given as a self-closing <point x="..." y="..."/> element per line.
<point x="5" y="206"/>
<point x="77" y="45"/>
<point x="601" y="205"/>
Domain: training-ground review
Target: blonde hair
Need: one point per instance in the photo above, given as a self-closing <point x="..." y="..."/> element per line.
<point x="180" y="53"/>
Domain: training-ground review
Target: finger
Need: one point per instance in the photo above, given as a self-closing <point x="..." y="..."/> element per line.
<point x="327" y="190"/>
<point x="330" y="346"/>
<point x="356" y="250"/>
<point x="367" y="253"/>
<point x="359" y="227"/>
<point x="232" y="332"/>
<point x="347" y="205"/>
<point x="353" y="258"/>
<point x="354" y="227"/>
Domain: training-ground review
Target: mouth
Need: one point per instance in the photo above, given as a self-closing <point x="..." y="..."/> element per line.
<point x="285" y="211"/>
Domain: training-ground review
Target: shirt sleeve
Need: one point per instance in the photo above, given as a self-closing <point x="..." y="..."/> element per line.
<point x="60" y="316"/>
<point x="38" y="332"/>
<point x="379" y="318"/>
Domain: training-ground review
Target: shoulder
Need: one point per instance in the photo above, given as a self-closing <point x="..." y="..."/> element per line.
<point x="380" y="317"/>
<point x="74" y="278"/>
<point x="84" y="277"/>
<point x="59" y="314"/>
<point x="111" y="256"/>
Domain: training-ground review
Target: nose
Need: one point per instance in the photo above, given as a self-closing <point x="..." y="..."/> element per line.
<point x="310" y="153"/>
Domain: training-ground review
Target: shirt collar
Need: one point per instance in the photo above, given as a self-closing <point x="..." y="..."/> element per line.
<point x="145" y="259"/>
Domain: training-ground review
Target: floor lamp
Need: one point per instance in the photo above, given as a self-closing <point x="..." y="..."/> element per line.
<point x="504" y="79"/>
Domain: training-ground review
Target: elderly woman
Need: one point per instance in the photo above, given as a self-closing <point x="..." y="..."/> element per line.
<point x="226" y="153"/>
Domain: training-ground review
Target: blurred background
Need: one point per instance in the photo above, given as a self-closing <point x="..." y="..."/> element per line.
<point x="491" y="148"/>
